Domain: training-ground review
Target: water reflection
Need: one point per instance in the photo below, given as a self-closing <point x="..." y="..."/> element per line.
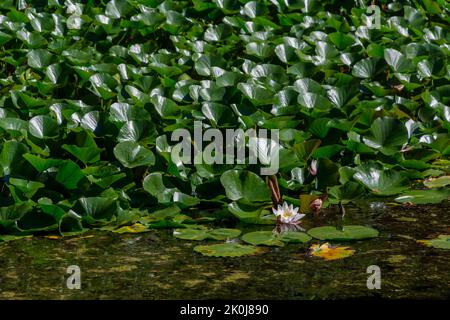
<point x="157" y="266"/>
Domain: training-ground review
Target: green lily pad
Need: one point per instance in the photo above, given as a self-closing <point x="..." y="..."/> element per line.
<point x="423" y="196"/>
<point x="132" y="155"/>
<point x="7" y="238"/>
<point x="349" y="191"/>
<point x="203" y="234"/>
<point x="251" y="215"/>
<point x="441" y="242"/>
<point x="381" y="182"/>
<point x="43" y="127"/>
<point x="437" y="182"/>
<point x="265" y="238"/>
<point x="223" y="233"/>
<point x="348" y="233"/>
<point x="295" y="237"/>
<point x="135" y="228"/>
<point x="388" y="135"/>
<point x="244" y="185"/>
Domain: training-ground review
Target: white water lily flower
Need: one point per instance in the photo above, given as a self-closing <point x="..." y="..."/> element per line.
<point x="287" y="214"/>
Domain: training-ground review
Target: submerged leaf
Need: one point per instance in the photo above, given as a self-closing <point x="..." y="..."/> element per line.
<point x="227" y="250"/>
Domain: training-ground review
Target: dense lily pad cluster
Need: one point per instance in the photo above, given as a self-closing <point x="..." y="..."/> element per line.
<point x="90" y="94"/>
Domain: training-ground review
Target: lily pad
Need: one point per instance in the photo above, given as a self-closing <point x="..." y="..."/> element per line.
<point x="132" y="155"/>
<point x="441" y="242"/>
<point x="190" y="234"/>
<point x="203" y="234"/>
<point x="328" y="252"/>
<point x="8" y="237"/>
<point x="437" y="182"/>
<point x="388" y="135"/>
<point x="381" y="182"/>
<point x="295" y="237"/>
<point x="265" y="238"/>
<point x="135" y="228"/>
<point x="244" y="185"/>
<point x="223" y="233"/>
<point x="251" y="215"/>
<point x="348" y="233"/>
<point x="423" y="196"/>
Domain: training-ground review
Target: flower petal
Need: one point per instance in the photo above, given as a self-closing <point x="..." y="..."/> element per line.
<point x="297" y="217"/>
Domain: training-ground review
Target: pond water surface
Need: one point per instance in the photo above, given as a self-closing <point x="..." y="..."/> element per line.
<point x="155" y="265"/>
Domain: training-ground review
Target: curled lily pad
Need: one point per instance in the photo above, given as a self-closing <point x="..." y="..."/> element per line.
<point x="388" y="135"/>
<point x="132" y="155"/>
<point x="43" y="127"/>
<point x="227" y="250"/>
<point x="381" y="182"/>
<point x="244" y="185"/>
<point x="347" y="233"/>
<point x="252" y="215"/>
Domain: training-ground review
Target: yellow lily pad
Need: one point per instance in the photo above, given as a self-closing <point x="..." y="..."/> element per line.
<point x="52" y="237"/>
<point x="135" y="228"/>
<point x="328" y="252"/>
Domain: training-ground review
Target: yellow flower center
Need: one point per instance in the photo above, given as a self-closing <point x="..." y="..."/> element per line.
<point x="286" y="214"/>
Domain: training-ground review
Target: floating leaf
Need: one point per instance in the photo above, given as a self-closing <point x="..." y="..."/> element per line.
<point x="7" y="238"/>
<point x="266" y="238"/>
<point x="347" y="233"/>
<point x="223" y="234"/>
<point x="328" y="252"/>
<point x="437" y="182"/>
<point x="134" y="228"/>
<point x="423" y="196"/>
<point x="202" y="234"/>
<point x="295" y="237"/>
<point x="190" y="234"/>
<point x="441" y="242"/>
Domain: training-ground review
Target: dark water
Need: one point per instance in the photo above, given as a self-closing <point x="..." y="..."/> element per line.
<point x="157" y="266"/>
